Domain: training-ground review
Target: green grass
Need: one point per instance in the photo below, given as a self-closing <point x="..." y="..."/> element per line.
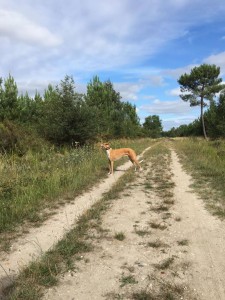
<point x="48" y="178"/>
<point x="129" y="279"/>
<point x="120" y="236"/>
<point x="167" y="291"/>
<point x="205" y="160"/>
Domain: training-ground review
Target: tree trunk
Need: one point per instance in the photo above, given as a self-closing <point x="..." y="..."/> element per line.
<point x="203" y="121"/>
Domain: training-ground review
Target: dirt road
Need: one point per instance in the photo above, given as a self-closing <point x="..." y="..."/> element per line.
<point x="159" y="242"/>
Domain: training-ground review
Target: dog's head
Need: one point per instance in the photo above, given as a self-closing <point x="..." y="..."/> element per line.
<point x="105" y="146"/>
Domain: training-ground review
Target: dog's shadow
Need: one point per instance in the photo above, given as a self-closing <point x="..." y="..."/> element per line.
<point x="115" y="170"/>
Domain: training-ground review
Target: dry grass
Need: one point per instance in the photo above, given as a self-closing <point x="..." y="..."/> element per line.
<point x="205" y="160"/>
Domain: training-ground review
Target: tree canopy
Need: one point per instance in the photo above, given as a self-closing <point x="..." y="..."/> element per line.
<point x="64" y="116"/>
<point x="153" y="126"/>
<point x="113" y="118"/>
<point x="201" y="84"/>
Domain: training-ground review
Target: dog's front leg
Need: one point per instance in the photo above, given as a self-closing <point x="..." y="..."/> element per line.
<point x="110" y="168"/>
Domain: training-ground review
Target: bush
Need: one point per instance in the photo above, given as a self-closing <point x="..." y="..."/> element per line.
<point x="8" y="137"/>
<point x="14" y="138"/>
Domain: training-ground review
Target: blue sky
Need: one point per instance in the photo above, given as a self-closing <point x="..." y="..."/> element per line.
<point x="142" y="46"/>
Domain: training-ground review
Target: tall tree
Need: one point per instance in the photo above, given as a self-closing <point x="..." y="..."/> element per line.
<point x="8" y="99"/>
<point x="105" y="102"/>
<point x="153" y="126"/>
<point x="131" y="121"/>
<point x="221" y="114"/>
<point x="201" y="84"/>
<point x="65" y="117"/>
<point x="211" y="120"/>
<point x="29" y="109"/>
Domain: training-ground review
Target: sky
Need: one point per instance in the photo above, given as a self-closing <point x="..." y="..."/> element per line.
<point x="141" y="46"/>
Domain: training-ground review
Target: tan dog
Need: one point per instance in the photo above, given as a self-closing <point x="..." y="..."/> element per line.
<point x="115" y="154"/>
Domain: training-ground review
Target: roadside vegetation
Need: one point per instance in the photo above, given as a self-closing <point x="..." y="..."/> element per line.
<point x="205" y="160"/>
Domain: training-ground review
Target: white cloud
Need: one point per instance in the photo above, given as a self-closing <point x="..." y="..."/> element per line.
<point x="148" y="97"/>
<point x="159" y="107"/>
<point x="174" y="92"/>
<point x="16" y="26"/>
<point x="168" y="123"/>
<point x="218" y="60"/>
<point x="128" y="91"/>
<point x="156" y="80"/>
<point x="176" y="73"/>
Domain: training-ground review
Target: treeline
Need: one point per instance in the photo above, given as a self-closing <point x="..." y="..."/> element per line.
<point x="214" y="118"/>
<point x="64" y="116"/>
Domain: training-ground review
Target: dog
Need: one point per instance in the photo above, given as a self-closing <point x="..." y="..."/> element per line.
<point x="115" y="154"/>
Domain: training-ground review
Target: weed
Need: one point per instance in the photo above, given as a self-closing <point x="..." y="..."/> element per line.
<point x="162" y="291"/>
<point x="127" y="280"/>
<point x="120" y="236"/>
<point x="142" y="232"/>
<point x="166" y="215"/>
<point x="156" y="244"/>
<point x="160" y="208"/>
<point x="148" y="186"/>
<point x="165" y="264"/>
<point x="169" y="201"/>
<point x="183" y="242"/>
<point x="142" y="295"/>
<point x="155" y="225"/>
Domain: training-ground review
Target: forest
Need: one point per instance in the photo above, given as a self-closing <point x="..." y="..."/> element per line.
<point x="62" y="116"/>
